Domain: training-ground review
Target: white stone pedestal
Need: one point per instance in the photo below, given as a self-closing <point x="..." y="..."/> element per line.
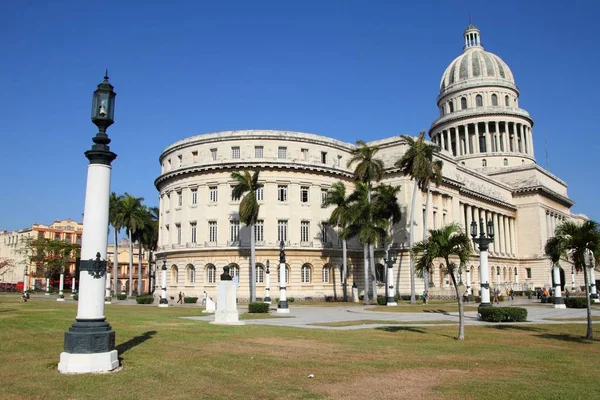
<point x="355" y="295"/>
<point x="88" y="363"/>
<point x="226" y="312"/>
<point x="209" y="304"/>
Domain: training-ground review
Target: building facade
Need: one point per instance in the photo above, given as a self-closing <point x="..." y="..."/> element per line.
<point x="489" y="171"/>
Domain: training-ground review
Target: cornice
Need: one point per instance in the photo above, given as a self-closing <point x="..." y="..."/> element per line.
<point x="478" y="112"/>
<point x="540" y="189"/>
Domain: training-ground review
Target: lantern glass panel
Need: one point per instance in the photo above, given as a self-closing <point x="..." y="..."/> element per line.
<point x="473" y="228"/>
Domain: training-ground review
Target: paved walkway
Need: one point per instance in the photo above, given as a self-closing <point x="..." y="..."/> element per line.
<point x="305" y="316"/>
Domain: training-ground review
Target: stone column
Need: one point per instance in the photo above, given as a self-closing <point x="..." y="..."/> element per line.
<point x="457" y="140"/>
<point x="496" y="223"/>
<point x="268" y="285"/>
<point x="558" y="300"/>
<point x="463" y="224"/>
<point x="477" y="147"/>
<point x="443" y="140"/>
<point x="61" y="295"/>
<point x="513" y="239"/>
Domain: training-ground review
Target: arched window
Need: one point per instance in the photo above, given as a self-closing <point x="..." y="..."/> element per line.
<point x="442" y="111"/>
<point x="259" y="273"/>
<point x="494" y="100"/>
<point x="191" y="273"/>
<point x="484" y="163"/>
<point x="504" y="274"/>
<point x="451" y="106"/>
<point x="211" y="273"/>
<point x="287" y="273"/>
<point x="506" y="162"/>
<point x="306" y="270"/>
<point x="479" y="101"/>
<point x="380" y="273"/>
<point x="174" y="275"/>
<point x="234" y="270"/>
<point x="506" y="101"/>
<point x="463" y="103"/>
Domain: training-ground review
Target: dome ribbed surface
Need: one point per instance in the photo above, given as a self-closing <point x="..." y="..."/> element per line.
<point x="476" y="65"/>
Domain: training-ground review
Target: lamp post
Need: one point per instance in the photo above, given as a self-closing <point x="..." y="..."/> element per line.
<point x="572" y="277"/>
<point x="151" y="276"/>
<point x="25" y="279"/>
<point x="47" y="286"/>
<point x="163" y="290"/>
<point x="483" y="242"/>
<point x="468" y="278"/>
<point x="282" y="307"/>
<point x="558" y="300"/>
<point x="389" y="260"/>
<point x="593" y="292"/>
<point x="267" y="284"/>
<point x="107" y="298"/>
<point x="61" y="285"/>
<point x="90" y="342"/>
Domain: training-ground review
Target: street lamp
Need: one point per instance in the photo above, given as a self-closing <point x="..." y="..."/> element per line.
<point x="483" y="242"/>
<point x="282" y="307"/>
<point x="151" y="276"/>
<point x="593" y="293"/>
<point x="468" y="278"/>
<point x="107" y="298"/>
<point x="163" y="290"/>
<point x="389" y="260"/>
<point x="267" y="284"/>
<point x="90" y="342"/>
<point x="572" y="277"/>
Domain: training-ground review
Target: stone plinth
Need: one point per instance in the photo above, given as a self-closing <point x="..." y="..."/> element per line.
<point x="209" y="304"/>
<point x="226" y="312"/>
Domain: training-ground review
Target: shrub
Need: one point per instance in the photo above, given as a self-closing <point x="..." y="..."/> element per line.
<point x="502" y="314"/>
<point x="259" y="308"/>
<point x="147" y="299"/>
<point x="190" y="299"/>
<point x="381" y="300"/>
<point x="121" y="296"/>
<point x="576" y="302"/>
<point x="75" y="297"/>
<point x="290" y="299"/>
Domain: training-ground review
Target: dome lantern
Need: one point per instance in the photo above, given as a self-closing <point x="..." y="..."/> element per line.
<point x="472" y="37"/>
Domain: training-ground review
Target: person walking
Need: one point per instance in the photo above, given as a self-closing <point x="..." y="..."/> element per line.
<point x="496" y="296"/>
<point x="180" y="300"/>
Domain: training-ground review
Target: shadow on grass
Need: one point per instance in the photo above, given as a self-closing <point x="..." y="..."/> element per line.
<point x="401" y="328"/>
<point x="516" y="328"/>
<point x="439" y="311"/>
<point x="567" y="338"/>
<point x="123" y="347"/>
<point x="7" y="310"/>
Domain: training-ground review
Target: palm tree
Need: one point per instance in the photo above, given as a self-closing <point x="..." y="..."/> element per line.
<point x="140" y="236"/>
<point x="116" y="220"/>
<point x="133" y="219"/>
<point x="553" y="250"/>
<point x="248" y="211"/>
<point x="418" y="163"/>
<point x="368" y="228"/>
<point x="150" y="238"/>
<point x="368" y="169"/>
<point x="577" y="241"/>
<point x="449" y="241"/>
<point x="340" y="217"/>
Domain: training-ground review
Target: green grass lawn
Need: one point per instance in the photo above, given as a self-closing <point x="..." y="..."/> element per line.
<point x="167" y="357"/>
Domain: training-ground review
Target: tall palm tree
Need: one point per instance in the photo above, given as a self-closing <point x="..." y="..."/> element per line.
<point x="368" y="228"/>
<point x="140" y="236"/>
<point x="368" y="170"/>
<point x="150" y="238"/>
<point x="418" y="163"/>
<point x="115" y="218"/>
<point x="248" y="211"/>
<point x="133" y="218"/>
<point x="576" y="241"/>
<point x="340" y="217"/>
<point x="449" y="241"/>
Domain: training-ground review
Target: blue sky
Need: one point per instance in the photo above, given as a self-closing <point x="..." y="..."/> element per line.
<point x="345" y="69"/>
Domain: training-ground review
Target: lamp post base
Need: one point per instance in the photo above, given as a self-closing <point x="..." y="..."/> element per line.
<point x="556" y="305"/>
<point x="390" y="301"/>
<point x="88" y="363"/>
<point x="485" y="305"/>
<point x="282" y="307"/>
<point x="89" y="347"/>
<point x="267" y="300"/>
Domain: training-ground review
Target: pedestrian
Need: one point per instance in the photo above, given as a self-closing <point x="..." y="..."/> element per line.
<point x="425" y="296"/>
<point x="567" y="293"/>
<point x="180" y="300"/>
<point x="496" y="296"/>
<point x="512" y="294"/>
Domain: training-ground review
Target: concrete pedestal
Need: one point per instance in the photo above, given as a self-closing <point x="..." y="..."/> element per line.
<point x="88" y="363"/>
<point x="355" y="298"/>
<point x="226" y="312"/>
<point x="209" y="304"/>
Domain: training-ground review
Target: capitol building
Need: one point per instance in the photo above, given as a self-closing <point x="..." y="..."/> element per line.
<point x="490" y="172"/>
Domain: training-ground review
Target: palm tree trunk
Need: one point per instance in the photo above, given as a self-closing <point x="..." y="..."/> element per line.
<point x="115" y="263"/>
<point x="366" y="274"/>
<point x="461" y="317"/>
<point x="373" y="272"/>
<point x="130" y="263"/>
<point x="411" y="239"/>
<point x="590" y="332"/>
<point x="252" y="265"/>
<point x="345" y="270"/>
<point x="139" y="285"/>
<point x="426" y="276"/>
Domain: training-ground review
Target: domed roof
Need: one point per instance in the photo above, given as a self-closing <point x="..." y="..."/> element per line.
<point x="476" y="65"/>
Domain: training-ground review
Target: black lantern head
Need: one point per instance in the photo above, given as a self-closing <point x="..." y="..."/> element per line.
<point x="103" y="104"/>
<point x="268" y="264"/>
<point x="281" y="252"/>
<point x="164" y="267"/>
<point x="474" y="229"/>
<point x="393" y="255"/>
<point x="490" y="228"/>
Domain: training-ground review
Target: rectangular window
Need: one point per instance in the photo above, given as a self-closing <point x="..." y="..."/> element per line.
<point x="324" y="157"/>
<point x="194" y="156"/>
<point x="194" y="197"/>
<point x="528" y="271"/>
<point x="304" y="154"/>
<point x="339" y="160"/>
<point x="179" y="199"/>
<point x="68" y="238"/>
<point x="57" y="236"/>
<point x="169" y="163"/>
<point x="259" y="152"/>
<point x="260" y="194"/>
<point x="325" y="232"/>
<point x="212" y="194"/>
<point x="482" y="147"/>
<point x="323" y="196"/>
<point x="235" y="152"/>
<point x="78" y="240"/>
<point x="282" y="230"/>
<point x="282" y="153"/>
<point x="304" y="231"/>
<point x="213" y="154"/>
<point x="193" y="229"/>
<point x="178" y="227"/>
<point x="212" y="231"/>
<point x="40" y="235"/>
<point x="259" y="231"/>
<point x="234" y="230"/>
<point x="435" y="220"/>
<point x="233" y="198"/>
<point x="282" y="192"/>
<point x="304" y="194"/>
<point x="179" y="160"/>
<point x="325" y="275"/>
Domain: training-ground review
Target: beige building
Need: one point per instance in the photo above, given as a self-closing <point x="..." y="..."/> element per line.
<point x="123" y="266"/>
<point x="490" y="173"/>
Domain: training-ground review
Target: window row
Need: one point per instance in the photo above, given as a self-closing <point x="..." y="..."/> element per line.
<point x="306" y="273"/>
<point x="494" y="101"/>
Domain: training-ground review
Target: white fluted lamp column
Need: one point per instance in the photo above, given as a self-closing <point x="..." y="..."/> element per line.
<point x="163" y="288"/>
<point x="282" y="307"/>
<point x="483" y="242"/>
<point x="267" y="284"/>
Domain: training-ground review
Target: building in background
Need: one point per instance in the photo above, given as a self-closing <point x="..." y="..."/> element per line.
<point x="123" y="266"/>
